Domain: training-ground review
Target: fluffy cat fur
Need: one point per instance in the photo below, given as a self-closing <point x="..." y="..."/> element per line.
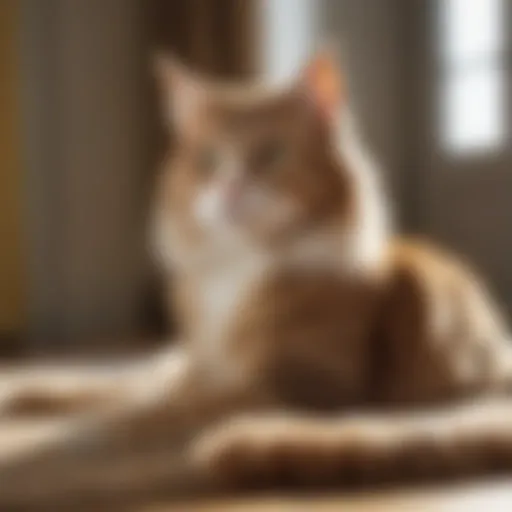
<point x="317" y="347"/>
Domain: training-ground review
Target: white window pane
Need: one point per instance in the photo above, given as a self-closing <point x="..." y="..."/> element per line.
<point x="288" y="37"/>
<point x="473" y="111"/>
<point x="471" y="29"/>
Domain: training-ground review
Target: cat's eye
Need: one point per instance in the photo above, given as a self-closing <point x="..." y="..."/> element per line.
<point x="208" y="160"/>
<point x="269" y="155"/>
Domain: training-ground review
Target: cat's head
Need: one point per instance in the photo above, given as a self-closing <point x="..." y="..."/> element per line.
<point x="252" y="163"/>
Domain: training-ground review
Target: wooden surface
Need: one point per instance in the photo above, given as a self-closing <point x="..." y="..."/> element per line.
<point x="484" y="495"/>
<point x="495" y="496"/>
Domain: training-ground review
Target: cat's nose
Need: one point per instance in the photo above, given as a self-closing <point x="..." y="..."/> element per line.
<point x="234" y="187"/>
<point x="234" y="191"/>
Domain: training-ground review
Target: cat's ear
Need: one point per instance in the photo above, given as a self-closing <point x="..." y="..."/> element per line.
<point x="322" y="82"/>
<point x="181" y="92"/>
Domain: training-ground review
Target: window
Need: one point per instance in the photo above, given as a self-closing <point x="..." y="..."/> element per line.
<point x="289" y="30"/>
<point x="472" y="90"/>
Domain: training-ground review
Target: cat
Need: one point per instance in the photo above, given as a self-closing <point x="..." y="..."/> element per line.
<point x="318" y="347"/>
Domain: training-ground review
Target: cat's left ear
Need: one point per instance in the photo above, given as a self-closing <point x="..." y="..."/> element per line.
<point x="322" y="82"/>
<point x="181" y="91"/>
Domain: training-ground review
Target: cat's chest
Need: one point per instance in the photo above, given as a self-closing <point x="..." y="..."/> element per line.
<point x="222" y="293"/>
<point x="224" y="290"/>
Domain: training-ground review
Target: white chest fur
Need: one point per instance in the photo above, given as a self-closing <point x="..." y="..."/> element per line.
<point x="222" y="292"/>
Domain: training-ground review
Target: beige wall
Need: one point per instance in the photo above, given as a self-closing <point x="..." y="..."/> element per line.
<point x="11" y="297"/>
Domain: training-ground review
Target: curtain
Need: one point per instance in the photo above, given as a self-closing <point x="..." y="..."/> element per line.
<point x="216" y="36"/>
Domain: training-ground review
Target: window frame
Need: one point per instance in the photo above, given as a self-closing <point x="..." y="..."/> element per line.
<point x="441" y="71"/>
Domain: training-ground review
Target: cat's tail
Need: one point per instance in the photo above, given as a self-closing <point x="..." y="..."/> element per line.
<point x="379" y="447"/>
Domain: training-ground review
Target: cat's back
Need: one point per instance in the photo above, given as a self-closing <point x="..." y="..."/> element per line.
<point x="439" y="327"/>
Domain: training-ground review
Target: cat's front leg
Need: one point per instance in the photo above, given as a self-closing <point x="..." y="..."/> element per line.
<point x="55" y="389"/>
<point x="31" y="392"/>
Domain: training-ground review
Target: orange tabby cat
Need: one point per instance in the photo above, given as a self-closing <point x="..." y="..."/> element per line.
<point x="317" y="347"/>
